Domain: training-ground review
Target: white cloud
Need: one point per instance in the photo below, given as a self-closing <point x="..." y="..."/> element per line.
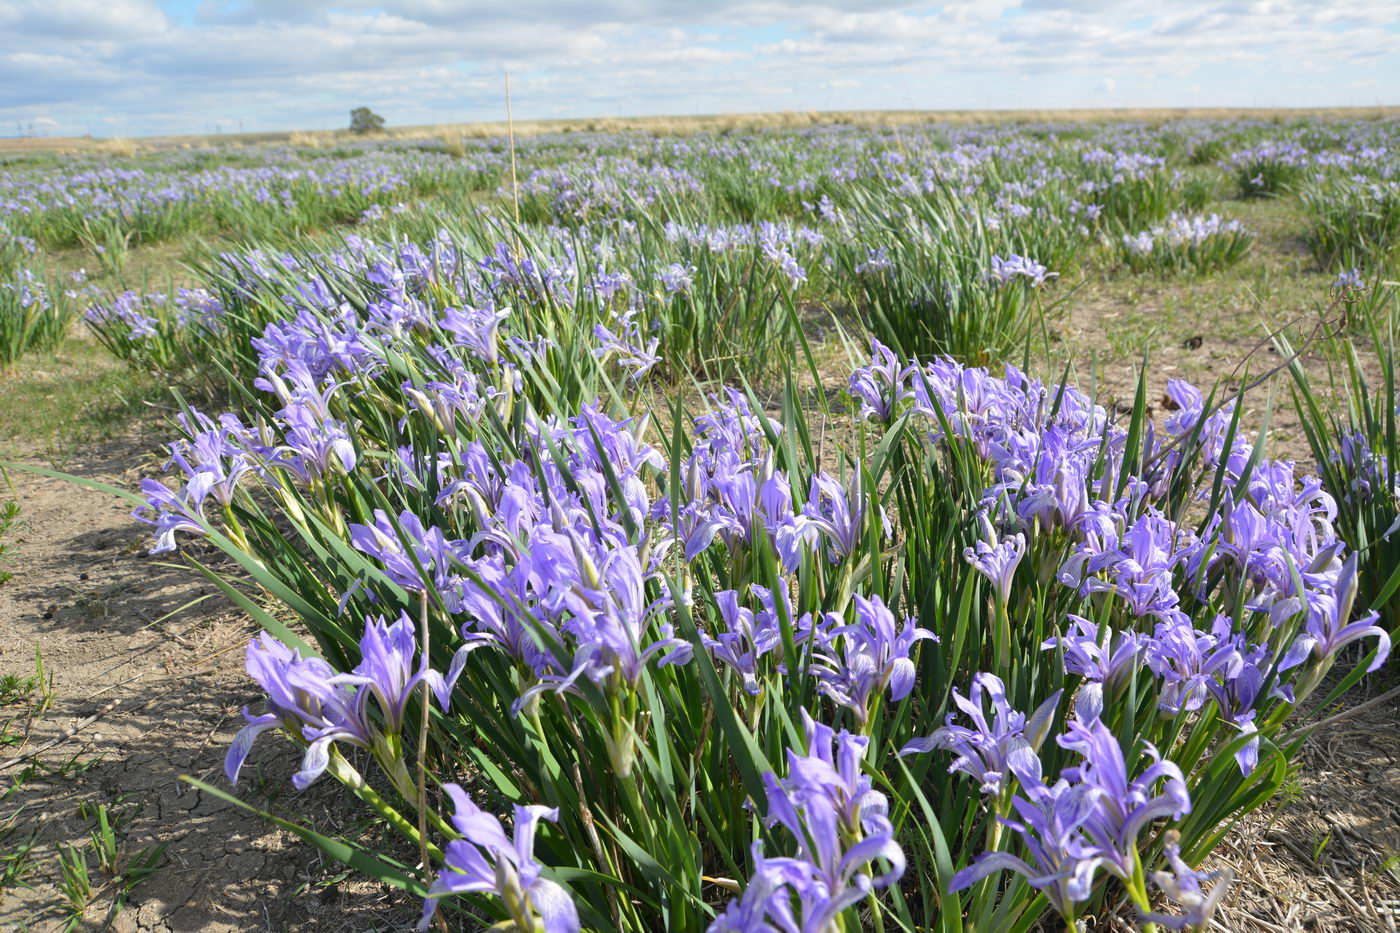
<point x="292" y="63"/>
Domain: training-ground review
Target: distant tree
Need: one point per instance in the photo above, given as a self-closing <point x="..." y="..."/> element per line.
<point x="363" y="120"/>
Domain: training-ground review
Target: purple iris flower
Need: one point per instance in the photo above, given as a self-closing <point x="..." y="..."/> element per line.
<point x="486" y="860"/>
<point x="839" y="514"/>
<point x="881" y="386"/>
<point x="1329" y="627"/>
<point x="307" y="698"/>
<point x="856" y="661"/>
<point x="992" y="751"/>
<point x="1140" y="568"/>
<point x="635" y="352"/>
<point x="1182" y="884"/>
<point x="386" y="664"/>
<point x="1348" y="279"/>
<point x="171" y="511"/>
<point x="314" y="444"/>
<point x="677" y="278"/>
<point x="996" y="558"/>
<point x="1188" y="660"/>
<point x="616" y="631"/>
<point x="612" y="616"/>
<point x="1189" y="406"/>
<point x="1110" y="663"/>
<point x="420" y="546"/>
<point x="506" y="611"/>
<point x="1236" y="696"/>
<point x="1122" y="807"/>
<point x="841" y="824"/>
<point x="443" y="402"/>
<point x="476" y="329"/>
<point x="213" y="460"/>
<point x="695" y="528"/>
<point x="1063" y="861"/>
<point x="746" y="638"/>
<point x="766" y="905"/>
<point x="213" y="447"/>
<point x="1004" y="271"/>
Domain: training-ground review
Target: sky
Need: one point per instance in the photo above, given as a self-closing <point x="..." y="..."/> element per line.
<point x="149" y="67"/>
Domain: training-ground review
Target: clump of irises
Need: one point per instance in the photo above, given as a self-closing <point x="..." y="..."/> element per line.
<point x="1187" y="244"/>
<point x="582" y="586"/>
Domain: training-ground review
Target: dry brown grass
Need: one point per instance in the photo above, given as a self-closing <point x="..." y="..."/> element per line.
<point x="453" y="135"/>
<point x="307" y="140"/>
<point x="676" y="126"/>
<point x="117" y="147"/>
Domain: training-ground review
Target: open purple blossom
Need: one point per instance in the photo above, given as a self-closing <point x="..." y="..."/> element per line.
<point x="487" y="861"/>
<point x="505" y="611"/>
<point x="1329" y="628"/>
<point x="612" y="617"/>
<point x="842" y="829"/>
<point x="677" y="278"/>
<point x="731" y="478"/>
<point x="746" y="638"/>
<point x="840" y="514"/>
<point x="1005" y="271"/>
<point x="881" y="386"/>
<point x="1089" y="819"/>
<point x="1109" y="660"/>
<point x="406" y="549"/>
<point x="996" y="749"/>
<point x="1187" y="661"/>
<point x="169" y="511"/>
<point x="314" y="444"/>
<point x="1062" y="863"/>
<point x="625" y="341"/>
<point x="215" y="448"/>
<point x="476" y="329"/>
<point x="856" y="661"/>
<point x="1122" y="806"/>
<point x="386" y="664"/>
<point x="1189" y="407"/>
<point x="766" y="905"/>
<point x="1348" y="279"/>
<point x="308" y="699"/>
<point x="1140" y="568"/>
<point x="444" y="402"/>
<point x="1237" y="693"/>
<point x="213" y="461"/>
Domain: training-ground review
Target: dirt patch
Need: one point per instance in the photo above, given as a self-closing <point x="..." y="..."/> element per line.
<point x="147" y="682"/>
<point x="1327" y="856"/>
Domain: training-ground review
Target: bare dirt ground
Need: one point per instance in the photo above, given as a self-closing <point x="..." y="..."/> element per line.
<point x="144" y="691"/>
<point x="1327" y="856"/>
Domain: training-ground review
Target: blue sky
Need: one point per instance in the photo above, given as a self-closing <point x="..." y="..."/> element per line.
<point x="143" y="67"/>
